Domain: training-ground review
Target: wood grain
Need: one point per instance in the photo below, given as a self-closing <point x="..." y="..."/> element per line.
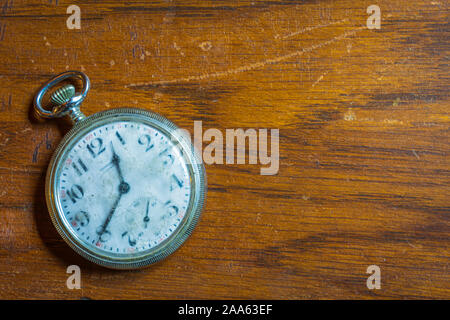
<point x="364" y="141"/>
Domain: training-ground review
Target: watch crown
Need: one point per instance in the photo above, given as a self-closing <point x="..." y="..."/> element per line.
<point x="63" y="94"/>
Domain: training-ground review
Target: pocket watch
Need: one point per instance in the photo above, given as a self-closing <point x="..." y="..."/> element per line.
<point x="125" y="187"/>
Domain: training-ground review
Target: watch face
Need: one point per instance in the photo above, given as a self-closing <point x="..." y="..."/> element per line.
<point x="123" y="189"/>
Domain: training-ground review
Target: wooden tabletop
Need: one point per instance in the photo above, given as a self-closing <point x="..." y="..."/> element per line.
<point x="363" y="126"/>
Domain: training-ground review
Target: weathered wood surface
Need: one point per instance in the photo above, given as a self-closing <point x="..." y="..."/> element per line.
<point x="364" y="141"/>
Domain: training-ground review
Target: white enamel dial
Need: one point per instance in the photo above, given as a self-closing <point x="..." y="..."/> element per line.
<point x="124" y="188"/>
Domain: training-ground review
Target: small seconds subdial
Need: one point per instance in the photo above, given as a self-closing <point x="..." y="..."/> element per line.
<point x="124" y="188"/>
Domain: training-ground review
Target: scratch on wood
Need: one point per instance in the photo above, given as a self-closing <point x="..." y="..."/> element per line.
<point x="46" y="42"/>
<point x="7" y="6"/>
<point x="349" y="115"/>
<point x="6" y="105"/>
<point x="48" y="143"/>
<point x="393" y="121"/>
<point x="36" y="152"/>
<point x="319" y="79"/>
<point x="206" y="45"/>
<point x="138" y="52"/>
<point x="19" y="132"/>
<point x="249" y="67"/>
<point x="310" y="29"/>
<point x="2" y="31"/>
<point x="178" y="48"/>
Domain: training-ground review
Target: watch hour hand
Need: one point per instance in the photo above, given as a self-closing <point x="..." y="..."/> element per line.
<point x="123" y="186"/>
<point x="114" y="161"/>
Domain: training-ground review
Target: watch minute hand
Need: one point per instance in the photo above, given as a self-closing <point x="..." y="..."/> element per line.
<point x="123" y="188"/>
<point x="108" y="218"/>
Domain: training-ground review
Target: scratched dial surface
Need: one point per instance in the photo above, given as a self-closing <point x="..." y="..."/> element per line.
<point x="124" y="188"/>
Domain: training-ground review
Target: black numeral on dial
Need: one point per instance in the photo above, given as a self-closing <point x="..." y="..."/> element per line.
<point x="122" y="141"/>
<point x="175" y="182"/>
<point x="75" y="193"/>
<point x="96" y="147"/>
<point x="146" y="141"/>
<point x="79" y="167"/>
